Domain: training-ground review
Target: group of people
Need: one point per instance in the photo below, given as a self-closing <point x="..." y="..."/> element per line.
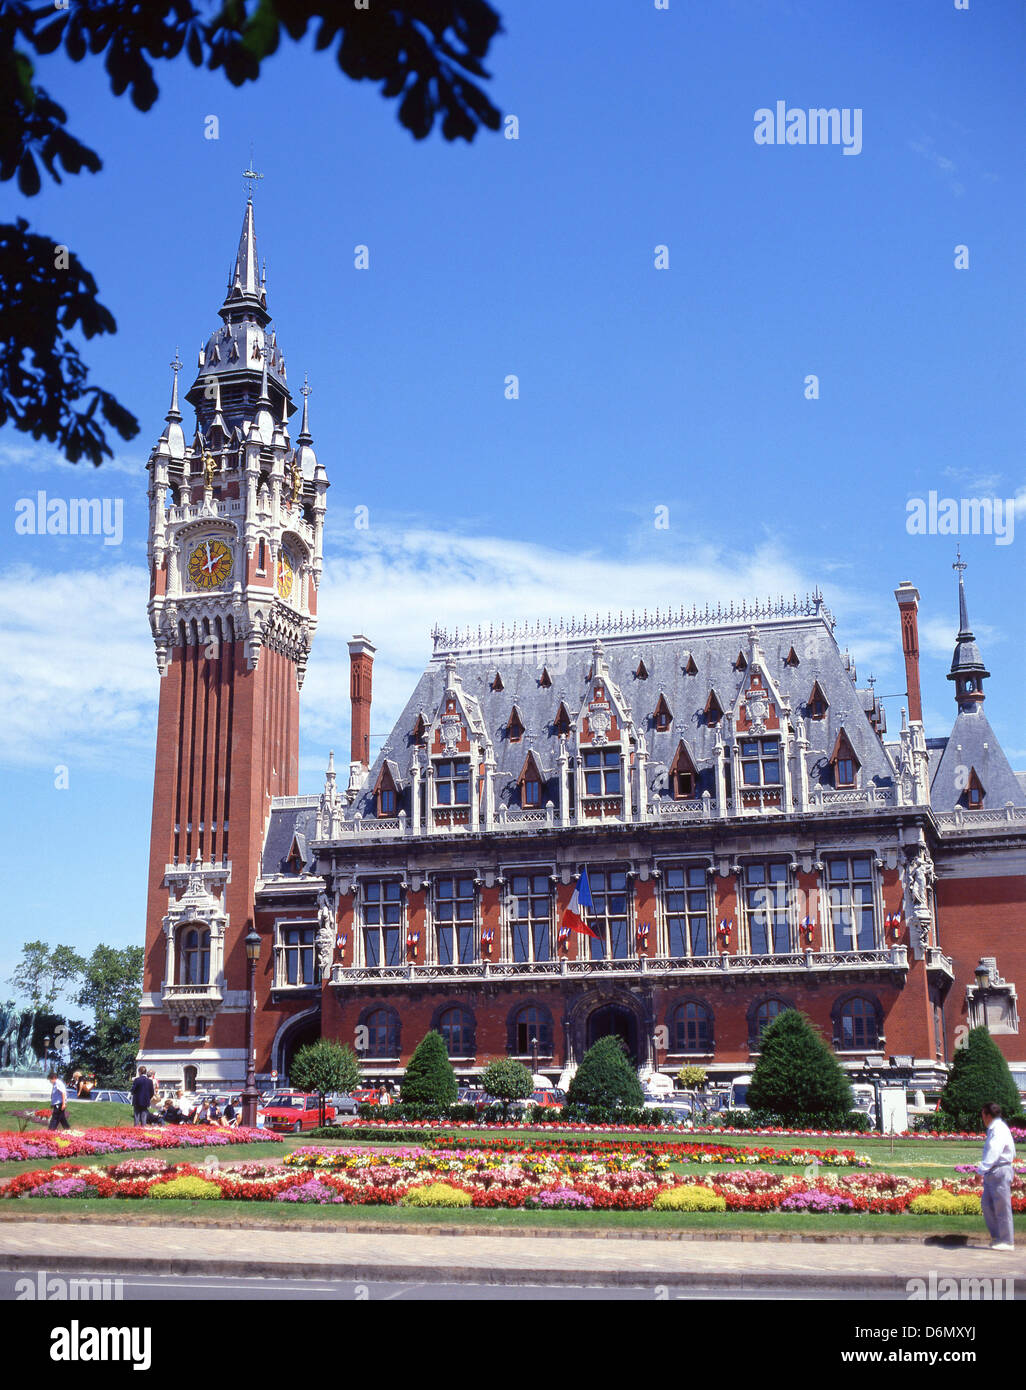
<point x="177" y="1109"/>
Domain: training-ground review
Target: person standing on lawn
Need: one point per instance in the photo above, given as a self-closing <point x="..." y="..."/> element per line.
<point x="58" y="1102"/>
<point x="142" y="1094"/>
<point x="996" y="1167"/>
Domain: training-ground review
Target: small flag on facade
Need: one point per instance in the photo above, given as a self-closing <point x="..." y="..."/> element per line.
<point x="573" y="913"/>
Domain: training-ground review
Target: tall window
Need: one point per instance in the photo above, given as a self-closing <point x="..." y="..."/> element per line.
<point x="687" y="912"/>
<point x="602" y="772"/>
<point x="857" y="1026"/>
<point x="386" y="801"/>
<point x="296" y="955"/>
<point x="454" y="920"/>
<point x="529" y="925"/>
<point x="195" y="953"/>
<point x="691" y="1028"/>
<point x="760" y="762"/>
<point x="532" y="1025"/>
<point x="764" y="1016"/>
<point x="530" y="793"/>
<point x="850" y="891"/>
<point x="766" y="908"/>
<point x="382" y="922"/>
<point x="381" y="1038"/>
<point x="457" y="1029"/>
<point x="609" y="917"/>
<point x="452" y="783"/>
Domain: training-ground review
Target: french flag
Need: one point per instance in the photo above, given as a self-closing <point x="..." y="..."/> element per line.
<point x="573" y="913"/>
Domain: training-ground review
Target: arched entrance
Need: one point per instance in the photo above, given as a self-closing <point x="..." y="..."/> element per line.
<point x="618" y="1021"/>
<point x="293" y="1035"/>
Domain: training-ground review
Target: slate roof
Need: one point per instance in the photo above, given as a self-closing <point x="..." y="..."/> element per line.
<point x="288" y="823"/>
<point x="973" y="744"/>
<point x="713" y="650"/>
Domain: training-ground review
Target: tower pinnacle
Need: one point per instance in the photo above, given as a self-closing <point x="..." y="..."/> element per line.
<point x="967" y="668"/>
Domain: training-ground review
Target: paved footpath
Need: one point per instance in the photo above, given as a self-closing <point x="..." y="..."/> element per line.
<point x="565" y="1259"/>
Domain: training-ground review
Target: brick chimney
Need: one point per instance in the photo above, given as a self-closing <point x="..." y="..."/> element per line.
<point x="908" y="605"/>
<point x="361" y="663"/>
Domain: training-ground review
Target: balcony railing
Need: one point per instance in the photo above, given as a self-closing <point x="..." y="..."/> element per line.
<point x="712" y="967"/>
<point x="938" y="962"/>
<point x="959" y="821"/>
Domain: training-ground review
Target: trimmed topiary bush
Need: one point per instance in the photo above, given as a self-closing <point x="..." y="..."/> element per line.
<point x="693" y="1198"/>
<point x="797" y="1075"/>
<point x="979" y="1074"/>
<point x="507" y="1080"/>
<point x="429" y="1079"/>
<point x="435" y="1194"/>
<point x="605" y="1079"/>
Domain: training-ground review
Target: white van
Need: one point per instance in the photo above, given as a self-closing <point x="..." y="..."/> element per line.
<point x="739" y="1092"/>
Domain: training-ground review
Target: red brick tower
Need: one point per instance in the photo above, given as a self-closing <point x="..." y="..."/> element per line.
<point x="235" y="548"/>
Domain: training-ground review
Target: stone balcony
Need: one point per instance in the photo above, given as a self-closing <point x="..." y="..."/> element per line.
<point x="192" y="999"/>
<point x="661" y="969"/>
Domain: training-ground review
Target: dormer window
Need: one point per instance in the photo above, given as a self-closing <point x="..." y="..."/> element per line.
<point x="844" y="762"/>
<point x="690" y="669"/>
<point x="713" y="710"/>
<point x="740" y="664"/>
<point x="974" y="793"/>
<point x="515" y="727"/>
<point x="641" y="674"/>
<point x="661" y="716"/>
<point x="294" y="862"/>
<point x="530" y="782"/>
<point x="545" y="680"/>
<point x="497" y="682"/>
<point x="760" y="762"/>
<point x="562" y="722"/>
<point x="817" y="703"/>
<point x="791" y="659"/>
<point x="452" y="782"/>
<point x="602" y="772"/>
<point x="419" y="729"/>
<point x="683" y="776"/>
<point x="386" y="801"/>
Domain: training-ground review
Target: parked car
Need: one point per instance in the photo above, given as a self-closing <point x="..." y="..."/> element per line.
<point x="548" y="1097"/>
<point x="293" y="1112"/>
<point x="372" y="1095"/>
<point x="119" y="1097"/>
<point x="343" y="1104"/>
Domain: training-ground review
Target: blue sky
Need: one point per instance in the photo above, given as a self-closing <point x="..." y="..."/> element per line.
<point x="639" y="387"/>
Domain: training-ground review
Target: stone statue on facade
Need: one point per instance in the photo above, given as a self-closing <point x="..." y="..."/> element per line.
<point x="325" y="935"/>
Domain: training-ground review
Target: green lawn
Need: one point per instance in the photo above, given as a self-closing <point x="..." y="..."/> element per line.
<point x="82" y="1114"/>
<point x="276" y="1214"/>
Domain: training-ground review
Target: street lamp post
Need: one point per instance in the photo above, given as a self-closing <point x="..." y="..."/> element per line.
<point x="249" y="1095"/>
<point x="534" y="1058"/>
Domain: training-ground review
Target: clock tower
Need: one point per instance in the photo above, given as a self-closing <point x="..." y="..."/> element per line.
<point x="236" y="522"/>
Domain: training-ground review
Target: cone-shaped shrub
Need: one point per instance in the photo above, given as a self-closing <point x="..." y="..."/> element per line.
<point x="606" y="1078"/>
<point x="797" y="1075"/>
<point x="429" y="1079"/>
<point x="979" y="1074"/>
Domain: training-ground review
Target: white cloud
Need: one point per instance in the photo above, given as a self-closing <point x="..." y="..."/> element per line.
<point x="82" y="680"/>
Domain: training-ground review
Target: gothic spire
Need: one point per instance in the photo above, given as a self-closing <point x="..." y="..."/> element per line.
<point x="967" y="668"/>
<point x="247" y="288"/>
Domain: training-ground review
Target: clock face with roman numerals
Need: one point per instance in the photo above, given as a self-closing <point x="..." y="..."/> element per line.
<point x="286" y="575"/>
<point x="210" y="563"/>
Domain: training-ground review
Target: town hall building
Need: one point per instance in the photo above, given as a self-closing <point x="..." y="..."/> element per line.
<point x="754" y="836"/>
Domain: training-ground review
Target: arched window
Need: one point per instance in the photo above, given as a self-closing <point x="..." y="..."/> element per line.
<point x="189" y="1073"/>
<point x="457" y="1029"/>
<point x="380" y="1033"/>
<point x="858" y="1026"/>
<point x="532" y="1025"/>
<point x="691" y="1028"/>
<point x="195" y="957"/>
<point x="764" y="1016"/>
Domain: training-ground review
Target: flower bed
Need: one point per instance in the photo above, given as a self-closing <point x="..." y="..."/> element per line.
<point x="602" y="1177"/>
<point x="1019" y="1135"/>
<point x="124" y="1139"/>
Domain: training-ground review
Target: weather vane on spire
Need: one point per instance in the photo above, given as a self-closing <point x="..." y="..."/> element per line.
<point x="306" y="389"/>
<point x="250" y="175"/>
<point x="959" y="564"/>
<point x="176" y="365"/>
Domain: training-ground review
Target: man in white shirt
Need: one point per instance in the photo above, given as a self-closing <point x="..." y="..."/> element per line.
<point x="996" y="1167"/>
<point x="58" y="1102"/>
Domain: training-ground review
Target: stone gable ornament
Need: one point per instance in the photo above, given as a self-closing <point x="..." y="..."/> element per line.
<point x="757" y="709"/>
<point x="600" y="721"/>
<point x="451" y="728"/>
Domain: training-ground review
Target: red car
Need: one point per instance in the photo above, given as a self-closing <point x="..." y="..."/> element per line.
<point x="293" y="1111"/>
<point x="371" y="1095"/>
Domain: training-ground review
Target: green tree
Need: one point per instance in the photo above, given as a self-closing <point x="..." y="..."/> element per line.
<point x="606" y="1078"/>
<point x="691" y="1078"/>
<point x="797" y="1075"/>
<point x="979" y="1074"/>
<point x="429" y="1078"/>
<point x="112" y="989"/>
<point x="507" y="1080"/>
<point x="43" y="971"/>
<point x="325" y="1066"/>
<point x="427" y="54"/>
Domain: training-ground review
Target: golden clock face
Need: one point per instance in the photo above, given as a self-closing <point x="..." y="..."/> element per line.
<point x="210" y="564"/>
<point x="286" y="574"/>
